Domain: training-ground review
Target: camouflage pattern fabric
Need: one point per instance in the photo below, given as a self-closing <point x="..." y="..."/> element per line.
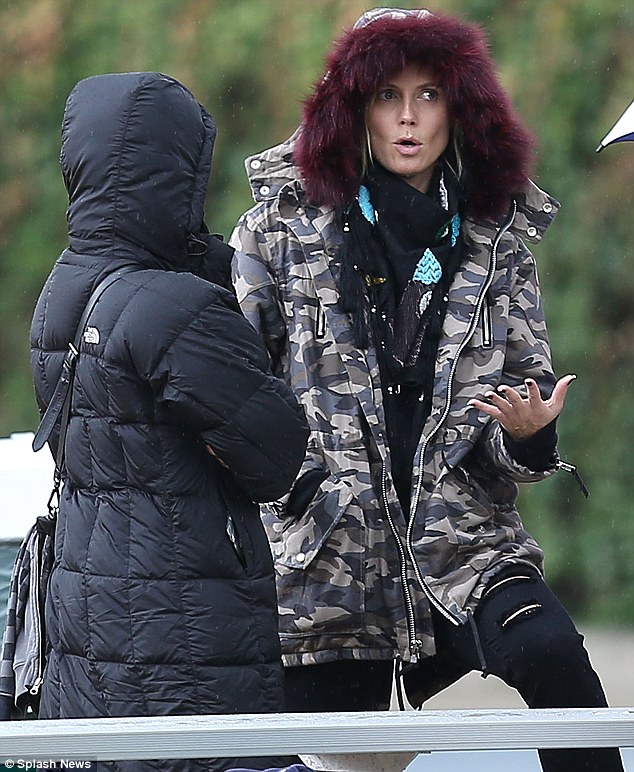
<point x="356" y="574"/>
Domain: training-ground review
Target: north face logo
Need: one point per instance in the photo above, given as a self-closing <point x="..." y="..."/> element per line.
<point x="91" y="335"/>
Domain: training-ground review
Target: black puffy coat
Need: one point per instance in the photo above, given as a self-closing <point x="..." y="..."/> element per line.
<point x="152" y="608"/>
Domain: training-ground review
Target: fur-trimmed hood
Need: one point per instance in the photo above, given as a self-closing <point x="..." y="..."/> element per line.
<point x="495" y="146"/>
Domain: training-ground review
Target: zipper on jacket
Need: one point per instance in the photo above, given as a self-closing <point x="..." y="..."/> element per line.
<point x="320" y="328"/>
<point x="487" y="327"/>
<point x="34" y="690"/>
<point x="415" y="644"/>
<point x="39" y="679"/>
<point x="421" y="455"/>
<point x="234" y="538"/>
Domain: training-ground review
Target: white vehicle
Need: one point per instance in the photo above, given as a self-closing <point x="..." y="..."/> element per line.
<point x="26" y="481"/>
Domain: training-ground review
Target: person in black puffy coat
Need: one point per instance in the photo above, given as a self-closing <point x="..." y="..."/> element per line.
<point x="162" y="598"/>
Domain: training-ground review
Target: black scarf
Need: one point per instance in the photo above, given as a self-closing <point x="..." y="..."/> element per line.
<point x="402" y="317"/>
<point x="377" y="268"/>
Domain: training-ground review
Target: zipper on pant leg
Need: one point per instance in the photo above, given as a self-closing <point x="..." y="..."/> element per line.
<point x="525" y="611"/>
<point x="501" y="582"/>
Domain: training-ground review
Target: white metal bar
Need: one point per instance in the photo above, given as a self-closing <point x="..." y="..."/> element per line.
<point x="212" y="735"/>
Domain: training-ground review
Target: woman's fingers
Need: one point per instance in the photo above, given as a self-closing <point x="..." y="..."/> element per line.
<point x="558" y="396"/>
<point x="532" y="389"/>
<point x="511" y="397"/>
<point x="522" y="416"/>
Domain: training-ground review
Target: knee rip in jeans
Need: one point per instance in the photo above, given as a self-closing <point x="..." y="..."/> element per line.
<point x="524" y="611"/>
<point x="498" y="584"/>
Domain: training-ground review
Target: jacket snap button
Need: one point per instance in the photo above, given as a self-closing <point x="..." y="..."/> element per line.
<point x="265" y="190"/>
<point x="300" y="557"/>
<point x="532" y="231"/>
<point x="255" y="164"/>
<point x="548" y="207"/>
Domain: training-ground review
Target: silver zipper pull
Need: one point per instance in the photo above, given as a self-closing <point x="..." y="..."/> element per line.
<point x="416" y="649"/>
<point x="234" y="538"/>
<point x="36" y="685"/>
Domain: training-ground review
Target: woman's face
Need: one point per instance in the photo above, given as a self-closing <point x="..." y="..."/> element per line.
<point x="408" y="123"/>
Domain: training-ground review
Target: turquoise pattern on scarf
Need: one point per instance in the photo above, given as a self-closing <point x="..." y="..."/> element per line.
<point x="365" y="205"/>
<point x="428" y="270"/>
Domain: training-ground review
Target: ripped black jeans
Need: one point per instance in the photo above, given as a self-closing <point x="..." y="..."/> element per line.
<point x="520" y="632"/>
<point x="526" y="637"/>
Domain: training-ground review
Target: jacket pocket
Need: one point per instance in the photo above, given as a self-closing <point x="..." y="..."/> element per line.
<point x="304" y="491"/>
<point x="301" y="539"/>
<point x="468" y="485"/>
<point x="320" y="567"/>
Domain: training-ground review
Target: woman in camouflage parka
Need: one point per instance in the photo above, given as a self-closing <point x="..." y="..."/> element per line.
<point x="430" y="395"/>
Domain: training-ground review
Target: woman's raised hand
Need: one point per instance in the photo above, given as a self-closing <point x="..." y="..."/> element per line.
<point x="521" y="417"/>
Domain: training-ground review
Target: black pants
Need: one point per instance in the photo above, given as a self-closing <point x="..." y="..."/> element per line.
<point x="520" y="633"/>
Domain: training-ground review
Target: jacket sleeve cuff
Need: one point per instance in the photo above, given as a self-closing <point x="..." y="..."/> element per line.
<point x="536" y="452"/>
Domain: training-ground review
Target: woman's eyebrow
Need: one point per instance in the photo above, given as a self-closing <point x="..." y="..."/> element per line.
<point x="424" y="84"/>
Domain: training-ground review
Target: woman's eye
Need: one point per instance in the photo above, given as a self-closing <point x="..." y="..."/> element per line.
<point x="387" y="94"/>
<point x="429" y="94"/>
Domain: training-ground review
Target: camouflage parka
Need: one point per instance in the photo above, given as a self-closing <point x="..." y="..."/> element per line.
<point x="355" y="574"/>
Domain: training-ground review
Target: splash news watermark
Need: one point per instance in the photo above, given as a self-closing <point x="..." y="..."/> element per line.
<point x="47" y="764"/>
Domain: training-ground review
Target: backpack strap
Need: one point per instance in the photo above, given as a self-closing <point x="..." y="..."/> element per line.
<point x="60" y="401"/>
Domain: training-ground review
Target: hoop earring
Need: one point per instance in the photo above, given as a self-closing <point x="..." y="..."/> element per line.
<point x="367" y="159"/>
<point x="452" y="157"/>
<point x="457" y="144"/>
<point x="368" y="143"/>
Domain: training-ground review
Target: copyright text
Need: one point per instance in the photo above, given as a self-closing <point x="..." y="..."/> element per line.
<point x="46" y="764"/>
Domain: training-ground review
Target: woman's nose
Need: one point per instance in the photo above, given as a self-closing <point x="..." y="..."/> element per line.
<point x="408" y="115"/>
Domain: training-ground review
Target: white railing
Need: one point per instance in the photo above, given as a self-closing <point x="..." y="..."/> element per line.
<point x="386" y="740"/>
<point x="322" y="734"/>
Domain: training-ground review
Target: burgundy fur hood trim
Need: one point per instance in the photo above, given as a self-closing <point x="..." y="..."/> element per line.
<point x="496" y="147"/>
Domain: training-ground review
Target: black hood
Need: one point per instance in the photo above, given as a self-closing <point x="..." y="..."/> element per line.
<point x="136" y="159"/>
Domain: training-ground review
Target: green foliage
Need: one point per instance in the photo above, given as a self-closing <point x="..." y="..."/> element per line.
<point x="570" y="73"/>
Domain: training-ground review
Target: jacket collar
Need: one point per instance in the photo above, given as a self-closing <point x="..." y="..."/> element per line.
<point x="273" y="170"/>
<point x="535" y="212"/>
